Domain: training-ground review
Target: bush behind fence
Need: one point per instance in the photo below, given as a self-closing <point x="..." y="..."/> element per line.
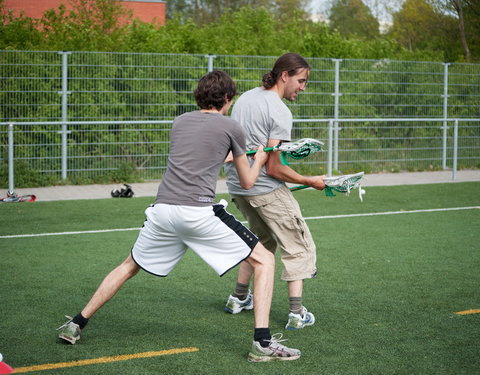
<point x="107" y="102"/>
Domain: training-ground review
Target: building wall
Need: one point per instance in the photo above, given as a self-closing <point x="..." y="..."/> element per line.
<point x="145" y="10"/>
<point x="148" y="11"/>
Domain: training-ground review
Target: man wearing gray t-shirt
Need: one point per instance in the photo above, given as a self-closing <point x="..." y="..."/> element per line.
<point x="272" y="212"/>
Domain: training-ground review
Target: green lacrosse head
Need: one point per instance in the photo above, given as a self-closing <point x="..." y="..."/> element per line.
<point x="329" y="191"/>
<point x="301" y="153"/>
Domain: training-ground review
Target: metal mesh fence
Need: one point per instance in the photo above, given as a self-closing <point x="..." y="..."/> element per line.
<point x="463" y="92"/>
<point x="92" y="113"/>
<point x="391" y="89"/>
<point x="392" y="146"/>
<point x="29" y="86"/>
<point x="111" y="147"/>
<point x="132" y="86"/>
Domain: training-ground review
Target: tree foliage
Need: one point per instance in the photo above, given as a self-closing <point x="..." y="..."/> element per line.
<point x="413" y="24"/>
<point x="203" y="12"/>
<point x="91" y="25"/>
<point x="450" y="27"/>
<point x="353" y="18"/>
<point x="472" y="27"/>
<point x="18" y="32"/>
<point x="420" y="30"/>
<point x="130" y="86"/>
<point x="467" y="19"/>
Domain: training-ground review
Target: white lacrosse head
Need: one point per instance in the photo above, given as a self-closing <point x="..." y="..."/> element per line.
<point x="295" y="145"/>
<point x="350" y="179"/>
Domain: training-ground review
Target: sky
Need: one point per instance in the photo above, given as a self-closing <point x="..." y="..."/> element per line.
<point x="378" y="7"/>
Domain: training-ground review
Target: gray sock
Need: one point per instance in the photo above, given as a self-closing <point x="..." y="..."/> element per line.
<point x="296" y="305"/>
<point x="241" y="291"/>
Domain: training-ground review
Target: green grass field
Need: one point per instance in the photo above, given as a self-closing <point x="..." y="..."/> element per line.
<point x="385" y="299"/>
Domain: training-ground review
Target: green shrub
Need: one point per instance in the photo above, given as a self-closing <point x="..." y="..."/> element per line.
<point x="25" y="177"/>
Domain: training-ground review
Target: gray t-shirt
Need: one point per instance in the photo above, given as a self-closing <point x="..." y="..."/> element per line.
<point x="264" y="116"/>
<point x="199" y="143"/>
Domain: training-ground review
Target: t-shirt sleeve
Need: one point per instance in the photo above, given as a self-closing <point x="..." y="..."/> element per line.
<point x="281" y="124"/>
<point x="238" y="140"/>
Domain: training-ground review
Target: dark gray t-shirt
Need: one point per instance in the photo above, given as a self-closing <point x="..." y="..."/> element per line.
<point x="199" y="143"/>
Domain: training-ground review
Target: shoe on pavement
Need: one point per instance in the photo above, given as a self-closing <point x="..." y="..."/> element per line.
<point x="298" y="321"/>
<point x="234" y="305"/>
<point x="273" y="352"/>
<point x="70" y="331"/>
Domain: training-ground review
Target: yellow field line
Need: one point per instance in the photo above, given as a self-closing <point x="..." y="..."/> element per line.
<point x="467" y="312"/>
<point x="114" y="358"/>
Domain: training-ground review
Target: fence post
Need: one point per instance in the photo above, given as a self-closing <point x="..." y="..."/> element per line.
<point x="11" y="175"/>
<point x="445" y="114"/>
<point x="64" y="130"/>
<point x="455" y="150"/>
<point x="330" y="143"/>
<point x="336" y="95"/>
<point x="210" y="62"/>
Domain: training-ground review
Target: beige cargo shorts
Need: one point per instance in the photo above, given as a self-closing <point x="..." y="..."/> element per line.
<point x="276" y="219"/>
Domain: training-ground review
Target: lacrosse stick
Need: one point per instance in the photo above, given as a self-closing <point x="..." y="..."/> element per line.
<point x="13" y="197"/>
<point x="340" y="184"/>
<point x="296" y="150"/>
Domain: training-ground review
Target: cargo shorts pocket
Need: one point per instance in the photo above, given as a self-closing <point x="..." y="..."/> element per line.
<point x="269" y="206"/>
<point x="283" y="217"/>
<point x="278" y="208"/>
<point x="262" y="200"/>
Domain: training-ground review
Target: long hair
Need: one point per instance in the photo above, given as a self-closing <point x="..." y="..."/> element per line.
<point x="213" y="89"/>
<point x="289" y="62"/>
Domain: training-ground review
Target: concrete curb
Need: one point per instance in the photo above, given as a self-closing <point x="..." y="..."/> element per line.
<point x="149" y="189"/>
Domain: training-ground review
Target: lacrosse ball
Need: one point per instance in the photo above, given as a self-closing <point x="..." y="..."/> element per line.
<point x="361" y="193"/>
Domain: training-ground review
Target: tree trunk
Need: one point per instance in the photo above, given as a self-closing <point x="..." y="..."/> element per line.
<point x="457" y="4"/>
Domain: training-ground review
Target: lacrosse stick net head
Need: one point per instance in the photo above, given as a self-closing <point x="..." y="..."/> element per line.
<point x="343" y="184"/>
<point x="299" y="149"/>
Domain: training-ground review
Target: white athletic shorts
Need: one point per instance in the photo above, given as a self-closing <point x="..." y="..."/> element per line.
<point x="211" y="232"/>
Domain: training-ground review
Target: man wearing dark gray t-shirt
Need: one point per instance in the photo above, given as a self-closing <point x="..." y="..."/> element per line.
<point x="185" y="216"/>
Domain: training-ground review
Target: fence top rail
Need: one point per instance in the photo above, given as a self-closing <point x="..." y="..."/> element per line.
<point x="110" y="122"/>
<point x="388" y="120"/>
<point x="385" y="61"/>
<point x="294" y="120"/>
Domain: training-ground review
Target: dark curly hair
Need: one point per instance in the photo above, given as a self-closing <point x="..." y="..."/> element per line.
<point x="213" y="89"/>
<point x="289" y="62"/>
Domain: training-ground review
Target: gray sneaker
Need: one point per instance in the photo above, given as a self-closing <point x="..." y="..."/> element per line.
<point x="234" y="305"/>
<point x="273" y="352"/>
<point x="298" y="321"/>
<point x="69" y="331"/>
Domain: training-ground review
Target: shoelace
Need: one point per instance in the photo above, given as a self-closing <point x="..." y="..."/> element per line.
<point x="275" y="345"/>
<point x="65" y="324"/>
<point x="277" y="338"/>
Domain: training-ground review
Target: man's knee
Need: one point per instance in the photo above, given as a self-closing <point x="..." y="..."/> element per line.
<point x="129" y="267"/>
<point x="261" y="257"/>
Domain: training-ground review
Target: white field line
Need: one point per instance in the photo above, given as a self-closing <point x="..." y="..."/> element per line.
<point x="306" y="218"/>
<point x="69" y="233"/>
<point x="393" y="213"/>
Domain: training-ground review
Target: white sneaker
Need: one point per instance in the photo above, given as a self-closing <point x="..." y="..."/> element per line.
<point x="69" y="331"/>
<point x="234" y="305"/>
<point x="273" y="352"/>
<point x="297" y="321"/>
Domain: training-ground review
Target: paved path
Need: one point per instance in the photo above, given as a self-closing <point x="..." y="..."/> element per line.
<point x="149" y="189"/>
